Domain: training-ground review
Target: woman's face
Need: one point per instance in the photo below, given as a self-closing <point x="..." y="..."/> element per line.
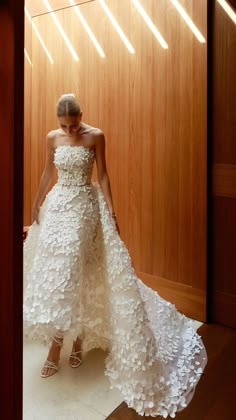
<point x="70" y="124"/>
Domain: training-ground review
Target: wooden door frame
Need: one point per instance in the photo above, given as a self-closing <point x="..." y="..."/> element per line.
<point x="11" y="209"/>
<point x="221" y="299"/>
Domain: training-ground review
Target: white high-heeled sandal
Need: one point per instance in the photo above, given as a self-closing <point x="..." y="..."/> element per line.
<point x="51" y="365"/>
<point x="74" y="355"/>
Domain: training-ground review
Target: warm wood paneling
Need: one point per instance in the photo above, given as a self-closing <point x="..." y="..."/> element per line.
<point x="38" y="7"/>
<point x="27" y="120"/>
<point x="224" y="267"/>
<point x="152" y="109"/>
<point x="223" y="308"/>
<point x="224" y="244"/>
<point x="187" y="299"/>
<point x="224" y="88"/>
<point x="223" y="289"/>
<point x="224" y="180"/>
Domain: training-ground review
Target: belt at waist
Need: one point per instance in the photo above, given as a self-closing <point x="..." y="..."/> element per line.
<point x="73" y="184"/>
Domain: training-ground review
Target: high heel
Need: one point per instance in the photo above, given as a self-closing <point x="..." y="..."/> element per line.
<point x="51" y="365"/>
<point x="75" y="356"/>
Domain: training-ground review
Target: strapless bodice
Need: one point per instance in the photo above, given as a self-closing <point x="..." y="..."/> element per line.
<point x="74" y="164"/>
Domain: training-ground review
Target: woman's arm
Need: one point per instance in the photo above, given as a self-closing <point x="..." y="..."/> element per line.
<point x="103" y="177"/>
<point x="46" y="176"/>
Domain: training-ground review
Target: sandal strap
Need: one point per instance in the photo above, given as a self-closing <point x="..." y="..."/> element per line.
<point x="59" y="342"/>
<point x="49" y="364"/>
<point x="76" y="358"/>
<point x="74" y="353"/>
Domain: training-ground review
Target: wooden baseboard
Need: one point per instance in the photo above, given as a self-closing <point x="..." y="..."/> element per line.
<point x="224" y="309"/>
<point x="188" y="300"/>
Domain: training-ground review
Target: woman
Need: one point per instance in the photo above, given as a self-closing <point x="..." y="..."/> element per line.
<point x="79" y="281"/>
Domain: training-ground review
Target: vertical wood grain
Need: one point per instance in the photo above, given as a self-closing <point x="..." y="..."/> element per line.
<point x="27" y="122"/>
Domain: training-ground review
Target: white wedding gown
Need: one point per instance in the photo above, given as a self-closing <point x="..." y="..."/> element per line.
<point x="78" y="278"/>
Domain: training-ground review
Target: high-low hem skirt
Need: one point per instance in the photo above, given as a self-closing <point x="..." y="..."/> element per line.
<point x="79" y="281"/>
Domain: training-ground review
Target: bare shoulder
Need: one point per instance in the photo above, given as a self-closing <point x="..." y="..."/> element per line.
<point x="97" y="132"/>
<point x="50" y="139"/>
<point x="98" y="137"/>
<point x="52" y="134"/>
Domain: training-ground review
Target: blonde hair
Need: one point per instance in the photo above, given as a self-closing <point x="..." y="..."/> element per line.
<point x="68" y="105"/>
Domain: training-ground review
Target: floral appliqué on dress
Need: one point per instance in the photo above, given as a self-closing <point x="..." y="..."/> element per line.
<point x="79" y="279"/>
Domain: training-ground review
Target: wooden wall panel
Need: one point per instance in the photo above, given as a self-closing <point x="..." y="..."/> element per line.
<point x="223" y="289"/>
<point x="199" y="150"/>
<point x="152" y="108"/>
<point x="147" y="143"/>
<point x="224" y="180"/>
<point x="38" y="7"/>
<point x="224" y="88"/>
<point x="224" y="271"/>
<point x="27" y="121"/>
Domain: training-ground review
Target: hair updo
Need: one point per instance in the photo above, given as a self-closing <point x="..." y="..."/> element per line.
<point x="68" y="106"/>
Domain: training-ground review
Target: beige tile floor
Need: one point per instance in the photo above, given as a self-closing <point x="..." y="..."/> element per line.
<point x="70" y="394"/>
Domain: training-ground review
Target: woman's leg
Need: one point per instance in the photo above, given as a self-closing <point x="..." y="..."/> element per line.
<point x="54" y="352"/>
<point x="75" y="356"/>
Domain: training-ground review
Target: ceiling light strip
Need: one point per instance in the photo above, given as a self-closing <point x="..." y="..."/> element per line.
<point x="228" y="9"/>
<point x="88" y="30"/>
<point x="150" y="24"/>
<point x="189" y="21"/>
<point x="27" y="56"/>
<point x="117" y="27"/>
<point x="39" y="36"/>
<point x="61" y="30"/>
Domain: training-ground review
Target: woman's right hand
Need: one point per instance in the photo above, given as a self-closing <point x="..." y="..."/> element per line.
<point x="35" y="215"/>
